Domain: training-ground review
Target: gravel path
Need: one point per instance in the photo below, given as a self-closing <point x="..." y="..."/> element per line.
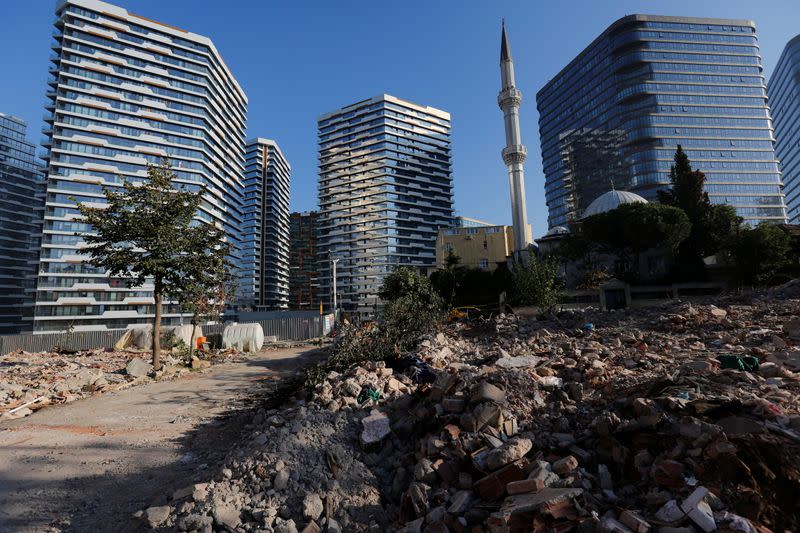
<point x="89" y="465"/>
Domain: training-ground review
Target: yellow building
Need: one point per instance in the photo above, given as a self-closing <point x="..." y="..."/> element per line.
<point x="476" y="246"/>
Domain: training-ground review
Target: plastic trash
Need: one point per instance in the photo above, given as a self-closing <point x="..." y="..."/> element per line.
<point x="368" y="393"/>
<point x="421" y="372"/>
<point x="588" y="327"/>
<point x="738" y="362"/>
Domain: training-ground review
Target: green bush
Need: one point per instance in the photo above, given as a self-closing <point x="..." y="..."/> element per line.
<point x="763" y="255"/>
<point x="535" y="282"/>
<point x="412" y="309"/>
<point x="460" y="286"/>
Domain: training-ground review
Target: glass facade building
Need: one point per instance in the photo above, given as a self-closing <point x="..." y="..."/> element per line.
<point x="616" y="113"/>
<point x="21" y="211"/>
<point x="126" y="91"/>
<point x="784" y="100"/>
<point x="385" y="189"/>
<point x="265" y="227"/>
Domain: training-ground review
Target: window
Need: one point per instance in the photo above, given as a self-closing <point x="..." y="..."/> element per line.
<point x="484" y="263"/>
<point x="485" y="244"/>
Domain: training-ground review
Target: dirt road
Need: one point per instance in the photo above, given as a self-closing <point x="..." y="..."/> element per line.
<point x="89" y="465"/>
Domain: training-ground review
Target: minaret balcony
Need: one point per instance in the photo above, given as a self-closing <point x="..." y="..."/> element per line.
<point x="516" y="153"/>
<point x="509" y="97"/>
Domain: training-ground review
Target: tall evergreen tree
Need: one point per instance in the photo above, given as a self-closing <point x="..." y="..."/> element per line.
<point x="145" y="232"/>
<point x="687" y="188"/>
<point x="712" y="225"/>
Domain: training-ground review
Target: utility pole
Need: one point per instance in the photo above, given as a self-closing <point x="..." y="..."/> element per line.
<point x="333" y="285"/>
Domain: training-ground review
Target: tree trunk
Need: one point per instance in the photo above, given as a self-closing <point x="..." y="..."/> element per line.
<point x="191" y="339"/>
<point x="157" y="330"/>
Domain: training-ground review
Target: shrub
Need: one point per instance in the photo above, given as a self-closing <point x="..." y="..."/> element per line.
<point x="535" y="282"/>
<point x="412" y="309"/>
<point x="763" y="255"/>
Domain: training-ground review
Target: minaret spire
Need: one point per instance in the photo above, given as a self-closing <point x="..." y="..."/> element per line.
<point x="515" y="153"/>
<point x="505" y="51"/>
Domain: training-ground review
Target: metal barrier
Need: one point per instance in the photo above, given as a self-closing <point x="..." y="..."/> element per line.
<point x="79" y="340"/>
<point x="294" y="328"/>
<point x="290" y="328"/>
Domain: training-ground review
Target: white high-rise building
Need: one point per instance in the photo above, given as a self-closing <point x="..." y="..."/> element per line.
<point x="385" y="189"/>
<point x="265" y="227"/>
<point x="126" y="91"/>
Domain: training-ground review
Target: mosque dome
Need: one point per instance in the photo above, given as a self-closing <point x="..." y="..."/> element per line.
<point x="557" y="230"/>
<point x="611" y="200"/>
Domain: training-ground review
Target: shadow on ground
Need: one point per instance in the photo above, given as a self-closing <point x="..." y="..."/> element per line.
<point x="111" y="499"/>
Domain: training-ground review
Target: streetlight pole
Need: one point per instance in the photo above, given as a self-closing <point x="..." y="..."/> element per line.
<point x="333" y="270"/>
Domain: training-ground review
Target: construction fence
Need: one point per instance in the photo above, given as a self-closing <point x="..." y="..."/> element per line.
<point x="295" y="328"/>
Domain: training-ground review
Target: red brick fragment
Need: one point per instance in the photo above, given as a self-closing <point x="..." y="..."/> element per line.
<point x="493" y="486"/>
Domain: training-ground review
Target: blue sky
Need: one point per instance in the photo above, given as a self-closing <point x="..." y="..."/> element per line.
<point x="299" y="59"/>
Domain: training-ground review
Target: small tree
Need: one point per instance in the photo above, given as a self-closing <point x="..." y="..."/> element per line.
<point x="535" y="282"/>
<point x="447" y="280"/>
<point x="412" y="307"/>
<point x="208" y="286"/>
<point x="143" y="233"/>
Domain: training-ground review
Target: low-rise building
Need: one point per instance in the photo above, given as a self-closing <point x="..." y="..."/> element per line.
<point x="476" y="246"/>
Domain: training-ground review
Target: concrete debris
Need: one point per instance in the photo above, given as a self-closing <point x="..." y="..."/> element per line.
<point x="155" y="516"/>
<point x="376" y="427"/>
<point x="636" y="523"/>
<point x="30" y="381"/>
<point x="138" y="368"/>
<point x="312" y="506"/>
<point x="631" y="425"/>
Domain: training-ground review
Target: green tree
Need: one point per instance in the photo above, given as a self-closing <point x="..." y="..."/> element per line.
<point x="412" y="307"/>
<point x="446" y="281"/>
<point x="208" y="284"/>
<point x="687" y="188"/>
<point x="535" y="282"/>
<point x="631" y="229"/>
<point x="763" y="255"/>
<point x="712" y="226"/>
<point x="145" y="232"/>
<point x="477" y="287"/>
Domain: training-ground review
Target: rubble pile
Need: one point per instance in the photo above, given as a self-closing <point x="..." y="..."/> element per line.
<point x="678" y="419"/>
<point x="30" y="381"/>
